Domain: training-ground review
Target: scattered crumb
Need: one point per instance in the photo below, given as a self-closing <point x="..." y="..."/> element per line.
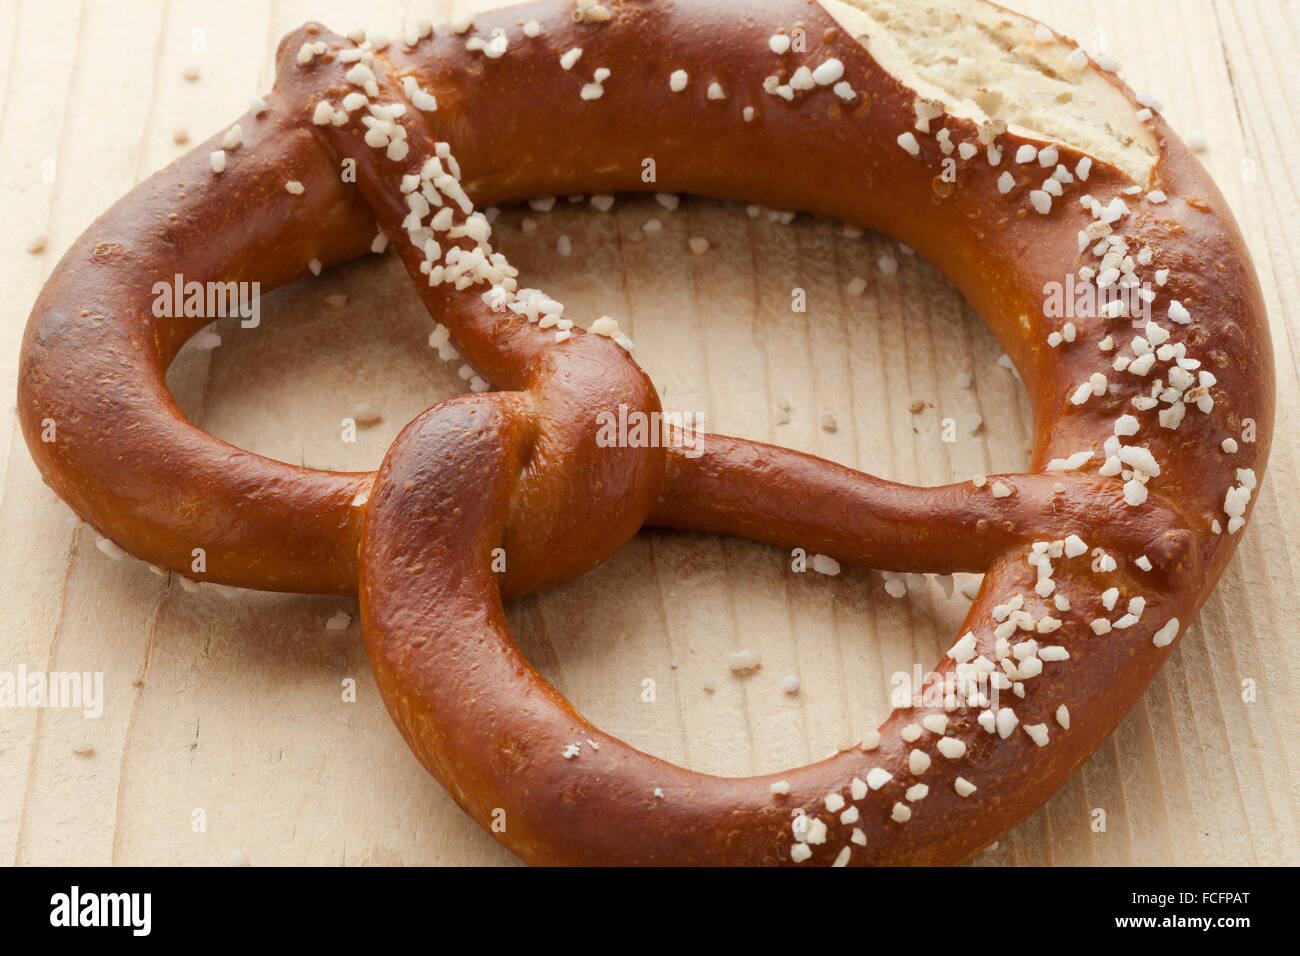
<point x="825" y="564"/>
<point x="739" y="661"/>
<point x="365" y="415"/>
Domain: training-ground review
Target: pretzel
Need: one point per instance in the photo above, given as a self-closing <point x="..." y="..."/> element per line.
<point x="1148" y="441"/>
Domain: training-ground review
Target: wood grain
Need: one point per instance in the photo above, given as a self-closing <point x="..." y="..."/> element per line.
<point x="231" y="703"/>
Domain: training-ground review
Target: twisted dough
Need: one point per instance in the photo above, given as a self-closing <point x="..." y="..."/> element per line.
<point x="1093" y="563"/>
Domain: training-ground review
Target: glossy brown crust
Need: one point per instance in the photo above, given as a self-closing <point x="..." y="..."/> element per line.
<point x="520" y="469"/>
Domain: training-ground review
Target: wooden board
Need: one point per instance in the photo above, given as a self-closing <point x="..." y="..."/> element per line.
<point x="227" y="708"/>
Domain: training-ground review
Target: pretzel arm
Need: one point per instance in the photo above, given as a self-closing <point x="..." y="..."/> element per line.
<point x="95" y="357"/>
<point x="503" y="346"/>
<point x="737" y="487"/>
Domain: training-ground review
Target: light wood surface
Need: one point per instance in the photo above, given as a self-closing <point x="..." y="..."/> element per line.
<point x="232" y="704"/>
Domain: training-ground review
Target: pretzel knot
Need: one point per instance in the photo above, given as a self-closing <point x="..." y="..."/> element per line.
<point x="501" y="493"/>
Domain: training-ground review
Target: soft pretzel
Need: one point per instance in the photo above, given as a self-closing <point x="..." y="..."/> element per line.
<point x="992" y="146"/>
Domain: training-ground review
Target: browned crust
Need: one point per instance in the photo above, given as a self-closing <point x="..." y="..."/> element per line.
<point x="520" y="468"/>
